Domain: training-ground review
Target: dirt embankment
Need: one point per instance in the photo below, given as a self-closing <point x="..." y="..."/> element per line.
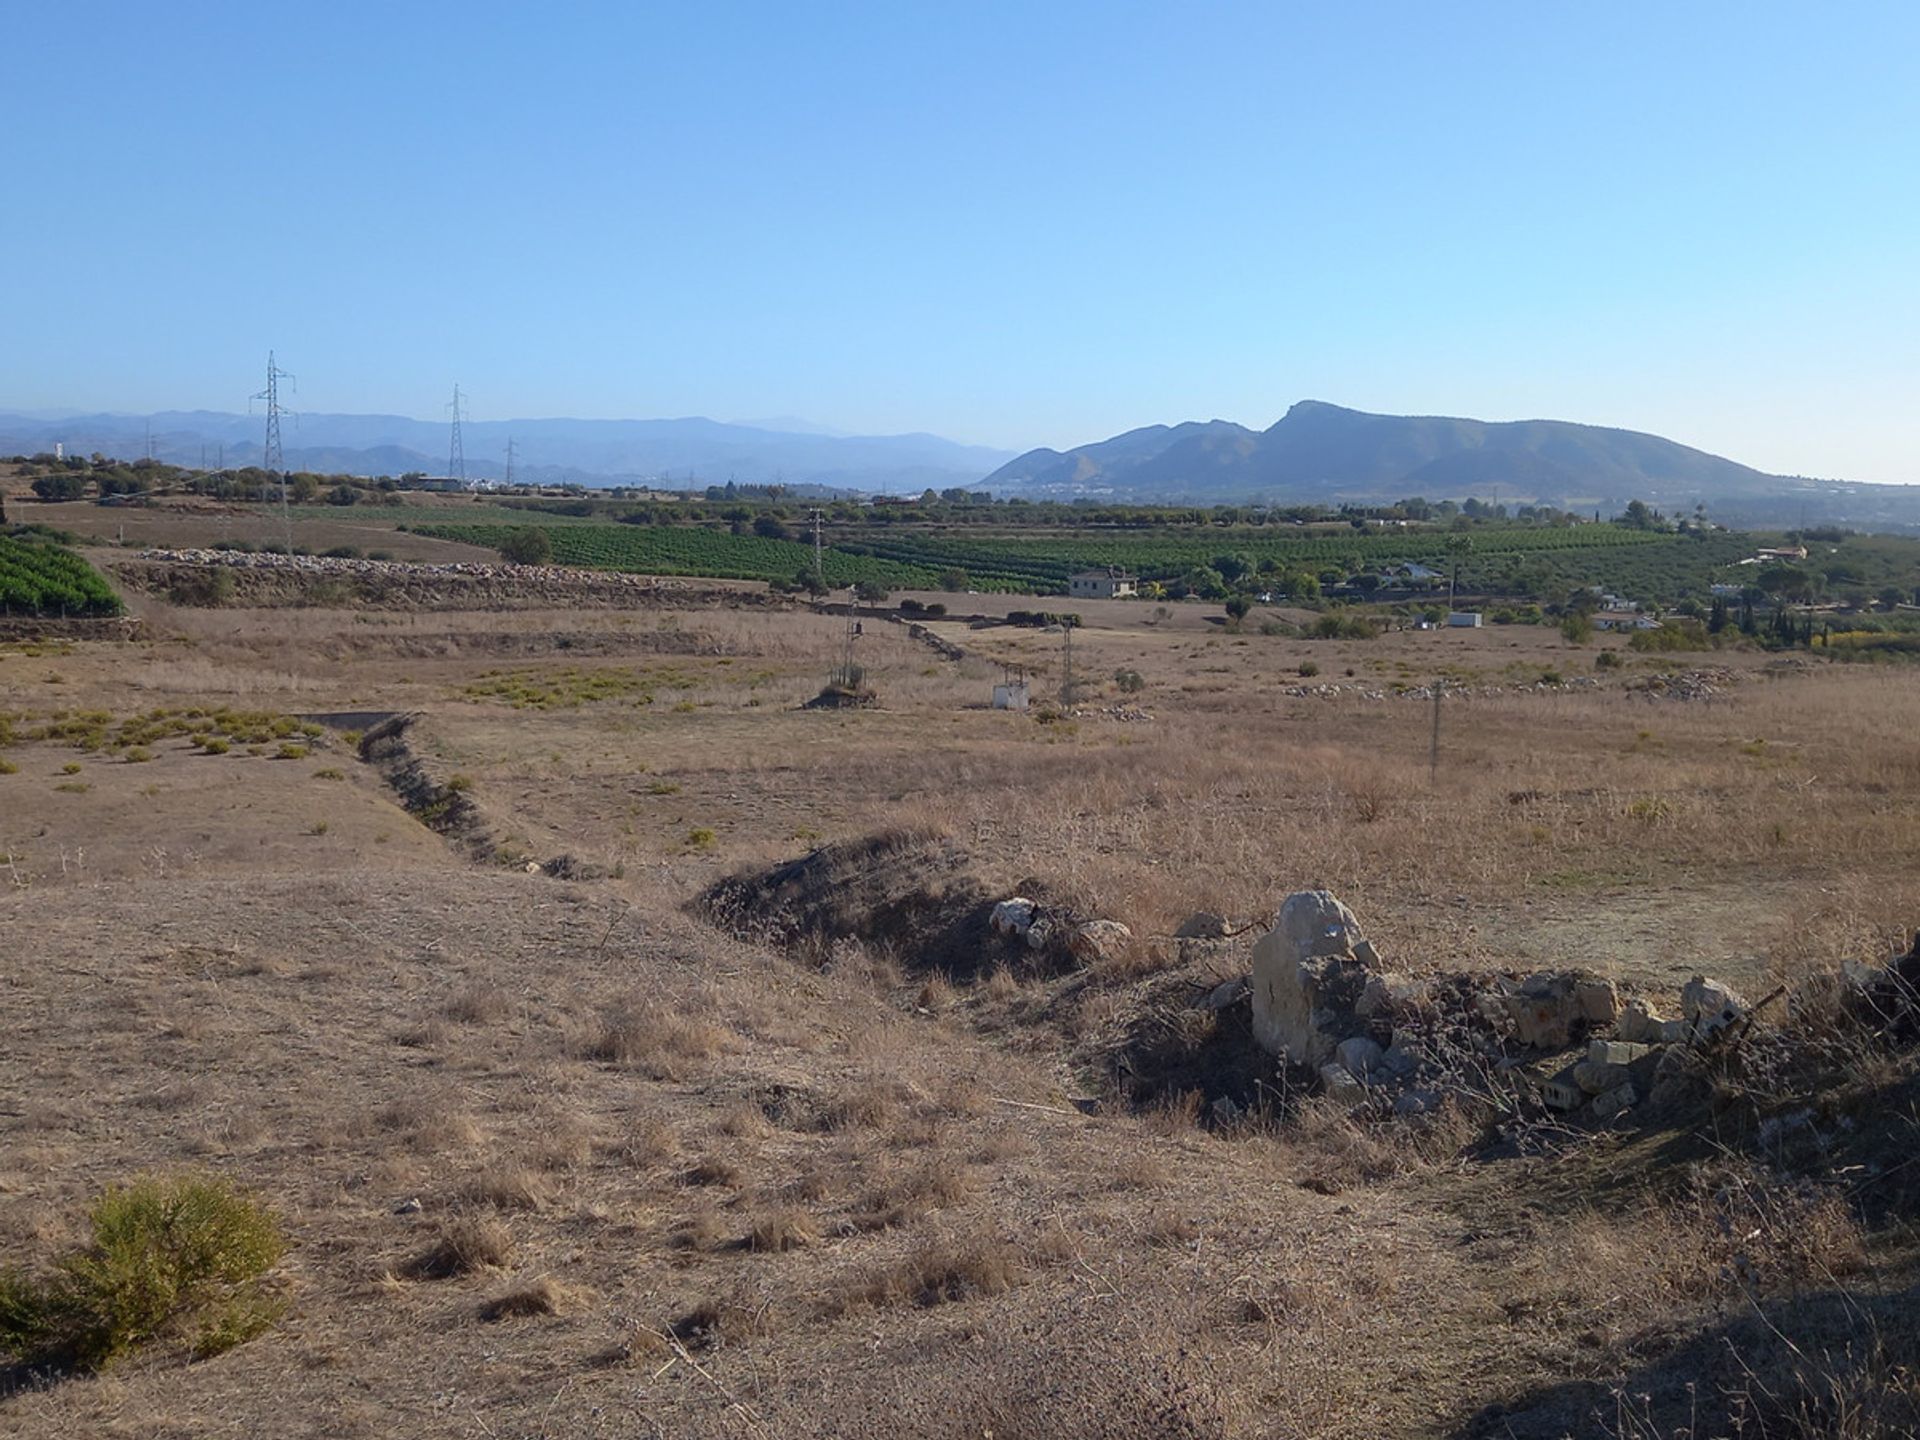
<point x="218" y="578"/>
<point x="444" y="804"/>
<point x="912" y="895"/>
<point x="38" y="628"/>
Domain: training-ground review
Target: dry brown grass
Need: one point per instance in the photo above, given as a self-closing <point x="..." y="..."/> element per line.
<point x="646" y="1035"/>
<point x="429" y="1121"/>
<point x="1117" y="1275"/>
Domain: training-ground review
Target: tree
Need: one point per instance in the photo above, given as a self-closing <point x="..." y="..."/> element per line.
<point x="1577" y="627"/>
<point x="1205" y="581"/>
<point x="872" y="592"/>
<point x="1232" y="567"/>
<point x="1639" y="517"/>
<point x="343" y="494"/>
<point x="1238" y="606"/>
<point x="809" y="580"/>
<point x="954" y="579"/>
<point x="769" y="527"/>
<point x="528" y="546"/>
<point x="61" y="487"/>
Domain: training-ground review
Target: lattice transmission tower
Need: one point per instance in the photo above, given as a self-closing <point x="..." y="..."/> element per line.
<point x="272" y="460"/>
<point x="456" y="453"/>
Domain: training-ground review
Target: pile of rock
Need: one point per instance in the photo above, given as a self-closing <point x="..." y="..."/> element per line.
<point x="1044" y="929"/>
<point x="1323" y="1000"/>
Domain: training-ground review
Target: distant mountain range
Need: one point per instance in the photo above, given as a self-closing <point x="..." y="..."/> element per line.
<point x="1315" y="454"/>
<point x="1319" y="453"/>
<point x="681" y="453"/>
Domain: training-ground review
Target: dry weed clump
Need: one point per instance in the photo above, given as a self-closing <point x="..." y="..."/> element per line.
<point x="914" y="1192"/>
<point x="713" y="1170"/>
<point x="782" y="1229"/>
<point x="1057" y="1378"/>
<point x="744" y="1121"/>
<point x="713" y="1322"/>
<point x="871" y="1103"/>
<point x="508" y="1187"/>
<point x="702" y="1231"/>
<point x="649" y="1143"/>
<point x="645" y="1035"/>
<point x="544" y="1296"/>
<point x="479" y="1004"/>
<point x="467" y="1244"/>
<point x="939" y="1271"/>
<point x="566" y="1142"/>
<point x="1735" y="1231"/>
<point x="431" y="1122"/>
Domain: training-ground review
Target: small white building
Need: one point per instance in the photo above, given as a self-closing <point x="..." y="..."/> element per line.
<point x="1010" y="695"/>
<point x="1463" y="619"/>
<point x="1624" y="620"/>
<point x="1111" y="583"/>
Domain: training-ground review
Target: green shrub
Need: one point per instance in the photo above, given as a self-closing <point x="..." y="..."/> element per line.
<point x="1607" y="660"/>
<point x="216" y="747"/>
<point x="1131" y="682"/>
<point x="1675" y="634"/>
<point x="1308" y="669"/>
<point x="529" y="546"/>
<point x="170" y="1257"/>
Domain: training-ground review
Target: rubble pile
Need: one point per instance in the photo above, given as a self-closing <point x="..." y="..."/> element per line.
<point x="1323" y="1000"/>
<point x="1682" y="685"/>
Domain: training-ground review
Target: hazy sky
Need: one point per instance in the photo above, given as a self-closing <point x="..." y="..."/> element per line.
<point x="1016" y="223"/>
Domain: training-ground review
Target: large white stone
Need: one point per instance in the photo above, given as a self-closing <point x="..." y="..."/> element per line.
<point x="1012" y="917"/>
<point x="1305" y="979"/>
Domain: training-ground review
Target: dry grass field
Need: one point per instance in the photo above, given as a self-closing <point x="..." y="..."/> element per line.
<point x="560" y="1157"/>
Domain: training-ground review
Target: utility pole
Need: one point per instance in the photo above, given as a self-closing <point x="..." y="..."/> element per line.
<point x="456" y="455"/>
<point x="1066" y="670"/>
<point x="817" y="515"/>
<point x="509" y="479"/>
<point x="1433" y="749"/>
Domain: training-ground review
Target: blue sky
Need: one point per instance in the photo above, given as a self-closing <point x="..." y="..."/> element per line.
<point x="1014" y="223"/>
